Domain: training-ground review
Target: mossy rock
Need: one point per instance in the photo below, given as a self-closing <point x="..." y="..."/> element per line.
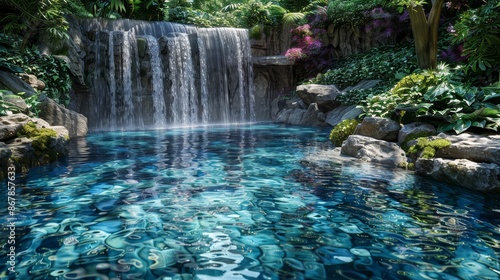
<point x="43" y="142"/>
<point x="427" y="147"/>
<point x="342" y="130"/>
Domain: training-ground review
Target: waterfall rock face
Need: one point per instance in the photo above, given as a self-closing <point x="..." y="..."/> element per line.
<point x="157" y="74"/>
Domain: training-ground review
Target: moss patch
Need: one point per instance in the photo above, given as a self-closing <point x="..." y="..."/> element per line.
<point x="41" y="139"/>
<point x="426" y="148"/>
<point x="342" y="131"/>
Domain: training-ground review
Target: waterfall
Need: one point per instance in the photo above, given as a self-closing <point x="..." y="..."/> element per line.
<point x="184" y="104"/>
<point x="159" y="115"/>
<point x="112" y="79"/>
<point x="160" y="74"/>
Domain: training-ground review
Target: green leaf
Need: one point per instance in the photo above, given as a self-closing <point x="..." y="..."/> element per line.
<point x="495" y="99"/>
<point x="480" y="124"/>
<point x="461" y="126"/>
<point x="445" y="127"/>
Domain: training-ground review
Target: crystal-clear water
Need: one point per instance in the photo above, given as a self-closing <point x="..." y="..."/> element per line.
<point x="240" y="202"/>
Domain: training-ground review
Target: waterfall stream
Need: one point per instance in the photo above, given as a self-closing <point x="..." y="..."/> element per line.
<point x="158" y="74"/>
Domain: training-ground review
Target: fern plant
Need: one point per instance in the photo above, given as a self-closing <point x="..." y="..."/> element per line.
<point x="479" y="32"/>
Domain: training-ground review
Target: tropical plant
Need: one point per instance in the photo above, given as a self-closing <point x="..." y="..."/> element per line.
<point x="49" y="69"/>
<point x="255" y="13"/>
<point x="459" y="107"/>
<point x="295" y="5"/>
<point x="6" y="48"/>
<point x="407" y="93"/>
<point x="350" y="13"/>
<point x="31" y="18"/>
<point x="439" y="97"/>
<point x="308" y="52"/>
<point x="478" y="31"/>
<point x="7" y="107"/>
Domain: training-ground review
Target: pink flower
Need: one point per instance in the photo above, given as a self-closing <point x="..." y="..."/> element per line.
<point x="295" y="54"/>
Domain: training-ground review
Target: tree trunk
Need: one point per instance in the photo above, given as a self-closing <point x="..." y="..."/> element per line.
<point x="425" y="33"/>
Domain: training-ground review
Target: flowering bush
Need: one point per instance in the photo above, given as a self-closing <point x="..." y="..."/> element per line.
<point x="308" y="51"/>
<point x="295" y="54"/>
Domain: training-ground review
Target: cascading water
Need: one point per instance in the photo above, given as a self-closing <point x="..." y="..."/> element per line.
<point x="159" y="115"/>
<point x="159" y="74"/>
<point x="184" y="105"/>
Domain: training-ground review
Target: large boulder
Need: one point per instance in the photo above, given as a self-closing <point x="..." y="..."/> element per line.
<point x="313" y="116"/>
<point x="57" y="115"/>
<point x="5" y="154"/>
<point x="14" y="84"/>
<point x="478" y="148"/>
<point x="283" y="115"/>
<point x="296" y="116"/>
<point x="33" y="81"/>
<point x="324" y="95"/>
<point x="416" y="129"/>
<point x="40" y="149"/>
<point x="277" y="105"/>
<point x="295" y="103"/>
<point x="374" y="150"/>
<point x="336" y="115"/>
<point x="379" y="128"/>
<point x="11" y="125"/>
<point x="462" y="172"/>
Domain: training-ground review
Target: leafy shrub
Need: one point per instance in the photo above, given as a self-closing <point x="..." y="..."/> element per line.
<point x="439" y="97"/>
<point x="459" y="107"/>
<point x="478" y="31"/>
<point x="308" y="51"/>
<point x="350" y="12"/>
<point x="377" y="64"/>
<point x="359" y="96"/>
<point x="255" y="13"/>
<point x="407" y="93"/>
<point x="342" y="130"/>
<point x="49" y="69"/>
<point x="9" y="108"/>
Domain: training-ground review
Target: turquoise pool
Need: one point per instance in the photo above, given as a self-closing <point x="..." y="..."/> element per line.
<point x="239" y="202"/>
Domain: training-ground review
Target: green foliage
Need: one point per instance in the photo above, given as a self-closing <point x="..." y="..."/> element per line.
<point x="6" y="48"/>
<point x="377" y="64"/>
<point x="359" y="96"/>
<point x="9" y="108"/>
<point x="44" y="18"/>
<point x="342" y="130"/>
<point x="439" y="97"/>
<point x="295" y="5"/>
<point x="406" y="93"/>
<point x="427" y="148"/>
<point x="255" y="13"/>
<point x="459" y="107"/>
<point x="49" y="69"/>
<point x="479" y="31"/>
<point x="350" y="12"/>
<point x="402" y="4"/>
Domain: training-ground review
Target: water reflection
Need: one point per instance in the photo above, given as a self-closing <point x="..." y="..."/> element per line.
<point x="237" y="203"/>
